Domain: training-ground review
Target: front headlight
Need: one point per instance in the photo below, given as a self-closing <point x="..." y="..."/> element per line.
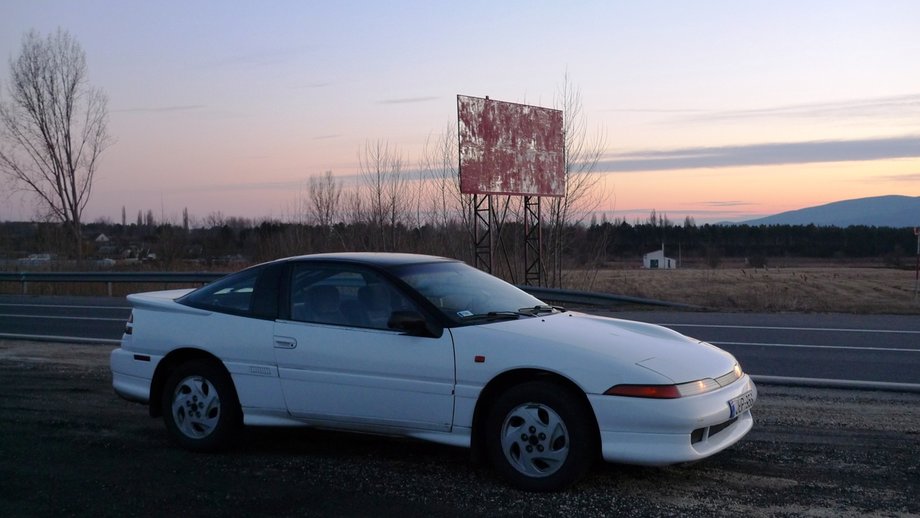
<point x="692" y="388"/>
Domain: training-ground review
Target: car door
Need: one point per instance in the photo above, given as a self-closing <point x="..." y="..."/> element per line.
<point x="340" y="364"/>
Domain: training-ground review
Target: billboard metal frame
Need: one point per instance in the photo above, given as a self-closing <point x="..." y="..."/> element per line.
<point x="510" y="150"/>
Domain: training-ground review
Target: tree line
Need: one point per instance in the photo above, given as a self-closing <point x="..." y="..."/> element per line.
<point x="591" y="245"/>
<point x="709" y="244"/>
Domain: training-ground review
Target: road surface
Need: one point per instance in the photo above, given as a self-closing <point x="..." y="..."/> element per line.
<point x="852" y="348"/>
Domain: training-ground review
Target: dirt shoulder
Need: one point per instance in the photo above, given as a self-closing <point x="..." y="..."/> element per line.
<point x="59" y="355"/>
<point x="69" y="446"/>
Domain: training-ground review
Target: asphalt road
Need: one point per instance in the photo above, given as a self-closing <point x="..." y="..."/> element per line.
<point x="70" y="447"/>
<point x="75" y="319"/>
<point x="875" y="348"/>
<point x="860" y="348"/>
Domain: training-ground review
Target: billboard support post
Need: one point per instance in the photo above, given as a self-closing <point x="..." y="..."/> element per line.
<point x="483" y="244"/>
<point x="533" y="241"/>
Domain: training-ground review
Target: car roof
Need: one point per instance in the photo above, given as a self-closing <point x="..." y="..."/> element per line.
<point x="382" y="259"/>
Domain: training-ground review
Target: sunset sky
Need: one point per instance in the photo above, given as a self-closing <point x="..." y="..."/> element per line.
<point x="720" y="110"/>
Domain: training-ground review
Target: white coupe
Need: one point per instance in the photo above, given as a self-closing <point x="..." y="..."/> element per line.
<point x="430" y="348"/>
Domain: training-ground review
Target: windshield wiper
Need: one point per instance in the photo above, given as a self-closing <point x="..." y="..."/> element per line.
<point x="494" y="315"/>
<point x="530" y="311"/>
<point x="535" y="310"/>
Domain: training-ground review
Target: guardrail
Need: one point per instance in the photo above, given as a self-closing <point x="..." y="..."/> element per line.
<point x="166" y="278"/>
<point x="110" y="278"/>
<point x="597" y="299"/>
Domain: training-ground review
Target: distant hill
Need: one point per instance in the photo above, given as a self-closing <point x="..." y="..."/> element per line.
<point x="878" y="211"/>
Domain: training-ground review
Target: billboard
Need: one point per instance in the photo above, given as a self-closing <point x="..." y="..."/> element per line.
<point x="509" y="148"/>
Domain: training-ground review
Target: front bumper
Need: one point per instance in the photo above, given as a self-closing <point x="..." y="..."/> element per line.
<point x="658" y="432"/>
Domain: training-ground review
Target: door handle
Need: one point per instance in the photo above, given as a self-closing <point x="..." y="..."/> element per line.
<point x="284" y="342"/>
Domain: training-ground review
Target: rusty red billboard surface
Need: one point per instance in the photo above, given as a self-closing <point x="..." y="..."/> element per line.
<point x="509" y="148"/>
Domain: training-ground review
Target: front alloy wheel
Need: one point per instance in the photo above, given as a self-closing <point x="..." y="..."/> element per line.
<point x="534" y="440"/>
<point x="541" y="436"/>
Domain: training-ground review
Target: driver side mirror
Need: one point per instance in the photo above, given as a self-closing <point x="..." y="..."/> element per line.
<point x="414" y="323"/>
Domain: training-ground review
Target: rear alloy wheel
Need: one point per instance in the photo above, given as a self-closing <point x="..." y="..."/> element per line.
<point x="200" y="406"/>
<point x="541" y="437"/>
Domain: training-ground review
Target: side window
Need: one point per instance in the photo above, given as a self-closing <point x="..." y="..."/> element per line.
<point x="343" y="295"/>
<point x="231" y="294"/>
<point x="252" y="293"/>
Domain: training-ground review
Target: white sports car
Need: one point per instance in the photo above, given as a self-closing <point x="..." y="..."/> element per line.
<point x="430" y="348"/>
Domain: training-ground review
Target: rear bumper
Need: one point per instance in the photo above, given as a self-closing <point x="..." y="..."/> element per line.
<point x="132" y="374"/>
<point x="658" y="432"/>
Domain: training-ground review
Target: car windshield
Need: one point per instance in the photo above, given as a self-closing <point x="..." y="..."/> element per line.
<point x="467" y="295"/>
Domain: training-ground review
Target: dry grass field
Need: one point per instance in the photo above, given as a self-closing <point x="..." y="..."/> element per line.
<point x="801" y="289"/>
<point x="799" y="286"/>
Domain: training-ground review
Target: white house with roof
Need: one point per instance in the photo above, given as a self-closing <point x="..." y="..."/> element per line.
<point x="658" y="261"/>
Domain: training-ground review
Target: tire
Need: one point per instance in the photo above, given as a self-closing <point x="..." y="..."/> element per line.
<point x="541" y="437"/>
<point x="200" y="406"/>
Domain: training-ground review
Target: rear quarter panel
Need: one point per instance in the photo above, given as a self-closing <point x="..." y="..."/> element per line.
<point x="244" y="345"/>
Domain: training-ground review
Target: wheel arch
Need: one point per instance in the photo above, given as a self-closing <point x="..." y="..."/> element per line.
<point x="508" y="379"/>
<point x="168" y="364"/>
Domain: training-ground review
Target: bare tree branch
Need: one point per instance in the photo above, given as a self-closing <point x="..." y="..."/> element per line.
<point x="583" y="192"/>
<point x="53" y="129"/>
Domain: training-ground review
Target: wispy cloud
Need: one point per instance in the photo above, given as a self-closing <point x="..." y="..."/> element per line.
<point x="162" y="109"/>
<point x="907" y="177"/>
<point x="900" y="106"/>
<point x="258" y="58"/>
<point x="290" y="185"/>
<point x="317" y="84"/>
<point x="763" y="154"/>
<point x="652" y="110"/>
<point x="408" y="100"/>
<point x="727" y="203"/>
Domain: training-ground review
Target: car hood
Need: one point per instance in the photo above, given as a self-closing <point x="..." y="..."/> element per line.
<point x="574" y="341"/>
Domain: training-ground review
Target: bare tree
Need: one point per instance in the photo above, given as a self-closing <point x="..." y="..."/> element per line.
<point x="385" y="184"/>
<point x="325" y="193"/>
<point x="583" y="193"/>
<point x="439" y="162"/>
<point x="449" y="210"/>
<point x="53" y="127"/>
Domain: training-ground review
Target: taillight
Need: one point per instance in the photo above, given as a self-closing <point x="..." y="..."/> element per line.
<point x="129" y="325"/>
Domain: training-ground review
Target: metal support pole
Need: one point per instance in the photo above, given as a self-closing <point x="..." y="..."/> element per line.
<point x="533" y="241"/>
<point x="917" y="271"/>
<point x="483" y="242"/>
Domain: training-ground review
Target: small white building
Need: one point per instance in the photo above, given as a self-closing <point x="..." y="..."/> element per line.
<point x="656" y="260"/>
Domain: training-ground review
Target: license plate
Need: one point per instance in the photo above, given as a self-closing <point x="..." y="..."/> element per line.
<point x="741" y="404"/>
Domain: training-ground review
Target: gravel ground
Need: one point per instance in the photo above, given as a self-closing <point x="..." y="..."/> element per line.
<point x="69" y="446"/>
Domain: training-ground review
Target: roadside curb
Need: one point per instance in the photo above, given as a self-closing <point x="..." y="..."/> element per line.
<point x="831" y="383"/>
<point x="65" y="339"/>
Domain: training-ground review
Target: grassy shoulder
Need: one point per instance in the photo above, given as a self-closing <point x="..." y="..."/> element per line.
<point x="806" y="288"/>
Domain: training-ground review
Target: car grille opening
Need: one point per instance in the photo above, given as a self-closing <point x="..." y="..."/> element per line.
<point x="701" y="434"/>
